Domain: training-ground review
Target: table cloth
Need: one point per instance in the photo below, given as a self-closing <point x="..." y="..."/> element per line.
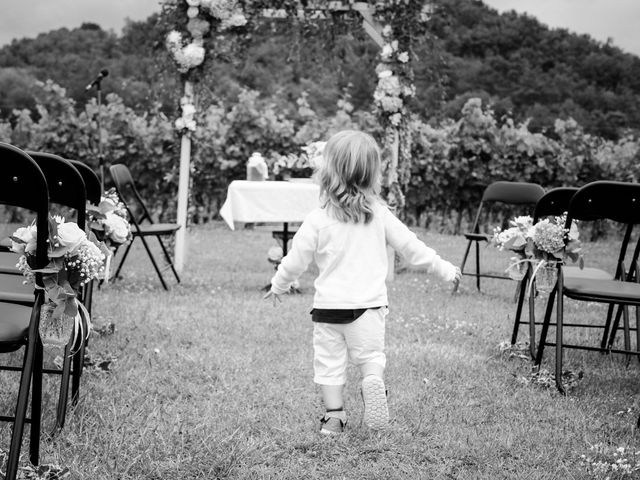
<point x="268" y="202"/>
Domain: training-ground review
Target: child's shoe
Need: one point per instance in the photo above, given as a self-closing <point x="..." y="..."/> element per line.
<point x="374" y="394"/>
<point x="333" y="422"/>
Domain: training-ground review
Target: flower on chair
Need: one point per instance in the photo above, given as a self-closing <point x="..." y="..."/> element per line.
<point x="546" y="241"/>
<point x="109" y="220"/>
<point x="74" y="260"/>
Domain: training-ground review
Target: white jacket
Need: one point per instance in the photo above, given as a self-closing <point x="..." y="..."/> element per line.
<point x="352" y="258"/>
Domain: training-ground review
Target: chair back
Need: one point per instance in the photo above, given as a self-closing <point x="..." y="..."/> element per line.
<point x="617" y="201"/>
<point x="66" y="186"/>
<point x="23" y="185"/>
<point x="513" y="193"/>
<point x="91" y="181"/>
<point x="554" y="202"/>
<point x="128" y="192"/>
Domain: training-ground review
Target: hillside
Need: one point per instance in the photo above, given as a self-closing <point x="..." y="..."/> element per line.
<point x="512" y="60"/>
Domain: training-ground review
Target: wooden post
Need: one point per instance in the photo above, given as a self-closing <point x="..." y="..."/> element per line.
<point x="183" y="190"/>
<point x="392" y="177"/>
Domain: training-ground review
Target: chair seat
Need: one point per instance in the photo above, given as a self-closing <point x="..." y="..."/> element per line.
<point x="481" y="237"/>
<point x="156" y="229"/>
<point x="606" y="290"/>
<point x="14" y="325"/>
<point x="587" y="272"/>
<point x="8" y="261"/>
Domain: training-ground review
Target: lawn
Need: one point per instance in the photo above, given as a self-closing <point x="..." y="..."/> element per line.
<point x="209" y="381"/>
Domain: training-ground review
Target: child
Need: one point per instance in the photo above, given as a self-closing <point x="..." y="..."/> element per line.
<point x="347" y="237"/>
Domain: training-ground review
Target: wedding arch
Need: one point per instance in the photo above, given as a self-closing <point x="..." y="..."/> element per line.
<point x="392" y="24"/>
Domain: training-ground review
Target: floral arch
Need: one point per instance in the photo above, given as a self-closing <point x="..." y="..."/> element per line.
<point x="392" y="24"/>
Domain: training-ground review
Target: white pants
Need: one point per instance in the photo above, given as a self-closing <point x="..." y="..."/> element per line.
<point x="334" y="344"/>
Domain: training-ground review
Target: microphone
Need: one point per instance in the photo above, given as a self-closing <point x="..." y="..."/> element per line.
<point x="103" y="73"/>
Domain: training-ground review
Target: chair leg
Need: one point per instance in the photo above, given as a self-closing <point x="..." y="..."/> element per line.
<point x="532" y="321"/>
<point x="607" y="327"/>
<point x="124" y="256"/>
<point x="516" y="321"/>
<point x="627" y="333"/>
<point x="545" y="327"/>
<point x="21" y="412"/>
<point x="614" y="328"/>
<point x="168" y="259"/>
<point x="478" y="265"/>
<point x="36" y="404"/>
<point x="63" y="396"/>
<point x="155" y="265"/>
<point x="559" y="323"/>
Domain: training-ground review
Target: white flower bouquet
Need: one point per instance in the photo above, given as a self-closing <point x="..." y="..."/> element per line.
<point x="109" y="220"/>
<point x="74" y="260"/>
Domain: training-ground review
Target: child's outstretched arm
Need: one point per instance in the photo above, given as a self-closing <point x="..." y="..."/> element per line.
<point x="415" y="252"/>
<point x="303" y="247"/>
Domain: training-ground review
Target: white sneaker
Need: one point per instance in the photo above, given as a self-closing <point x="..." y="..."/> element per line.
<point x="374" y="394"/>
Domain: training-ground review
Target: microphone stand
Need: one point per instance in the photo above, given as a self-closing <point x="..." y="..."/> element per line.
<point x="99" y="122"/>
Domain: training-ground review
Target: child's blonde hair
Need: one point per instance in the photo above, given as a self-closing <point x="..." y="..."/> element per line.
<point x="350" y="176"/>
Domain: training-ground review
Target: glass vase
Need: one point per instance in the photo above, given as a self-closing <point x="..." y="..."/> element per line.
<point x="517" y="269"/>
<point x="546" y="276"/>
<point x="55" y="331"/>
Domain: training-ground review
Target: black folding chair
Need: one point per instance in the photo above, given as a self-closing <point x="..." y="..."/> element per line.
<point x="23" y="185"/>
<point x="555" y="202"/>
<point x="520" y="194"/>
<point x="93" y="188"/>
<point x="67" y="189"/>
<point x="618" y="202"/>
<point x="129" y="195"/>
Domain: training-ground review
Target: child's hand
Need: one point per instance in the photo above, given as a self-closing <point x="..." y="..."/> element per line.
<point x="457" y="278"/>
<point x="274" y="296"/>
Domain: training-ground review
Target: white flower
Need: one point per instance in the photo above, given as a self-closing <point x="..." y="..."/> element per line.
<point x="193" y="3"/>
<point x="403" y="57"/>
<point x="192" y="12"/>
<point x="69" y="237"/>
<point x="395" y="119"/>
<point x="28" y="236"/>
<point x="174" y="37"/>
<point x="387" y="51"/>
<point x="116" y="227"/>
<point x="194" y="54"/>
<point x="385" y="73"/>
<point x="387" y="31"/>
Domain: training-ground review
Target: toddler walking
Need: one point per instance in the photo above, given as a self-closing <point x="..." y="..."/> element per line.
<point x="347" y="237"/>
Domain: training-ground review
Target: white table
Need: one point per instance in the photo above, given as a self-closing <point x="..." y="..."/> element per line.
<point x="269" y="202"/>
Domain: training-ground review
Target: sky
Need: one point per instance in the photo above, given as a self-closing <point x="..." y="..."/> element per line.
<point x="602" y="19"/>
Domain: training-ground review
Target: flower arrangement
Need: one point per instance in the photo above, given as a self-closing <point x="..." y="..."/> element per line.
<point x="545" y="242"/>
<point x="109" y="220"/>
<point x="394" y="86"/>
<point x="189" y="53"/>
<point x="74" y="260"/>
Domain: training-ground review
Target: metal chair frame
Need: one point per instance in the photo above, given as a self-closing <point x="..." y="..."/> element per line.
<point x="554" y="202"/>
<point x="508" y="193"/>
<point x="23" y="185"/>
<point x="619" y="202"/>
<point x="129" y="195"/>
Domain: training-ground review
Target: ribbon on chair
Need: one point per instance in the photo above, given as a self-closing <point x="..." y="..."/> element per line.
<point x="79" y="324"/>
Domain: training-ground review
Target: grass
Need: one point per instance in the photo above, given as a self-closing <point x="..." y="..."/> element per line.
<point x="209" y="381"/>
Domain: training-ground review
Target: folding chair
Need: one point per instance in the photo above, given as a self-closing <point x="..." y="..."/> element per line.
<point x="620" y="203"/>
<point x="131" y="198"/>
<point x="507" y="193"/>
<point x="23" y="185"/>
<point x="93" y="188"/>
<point x="555" y="202"/>
<point x="66" y="188"/>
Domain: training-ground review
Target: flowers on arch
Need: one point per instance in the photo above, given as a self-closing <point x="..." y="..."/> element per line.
<point x="393" y="87"/>
<point x="109" y="220"/>
<point x="188" y="51"/>
<point x="186" y="122"/>
<point x="75" y="259"/>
